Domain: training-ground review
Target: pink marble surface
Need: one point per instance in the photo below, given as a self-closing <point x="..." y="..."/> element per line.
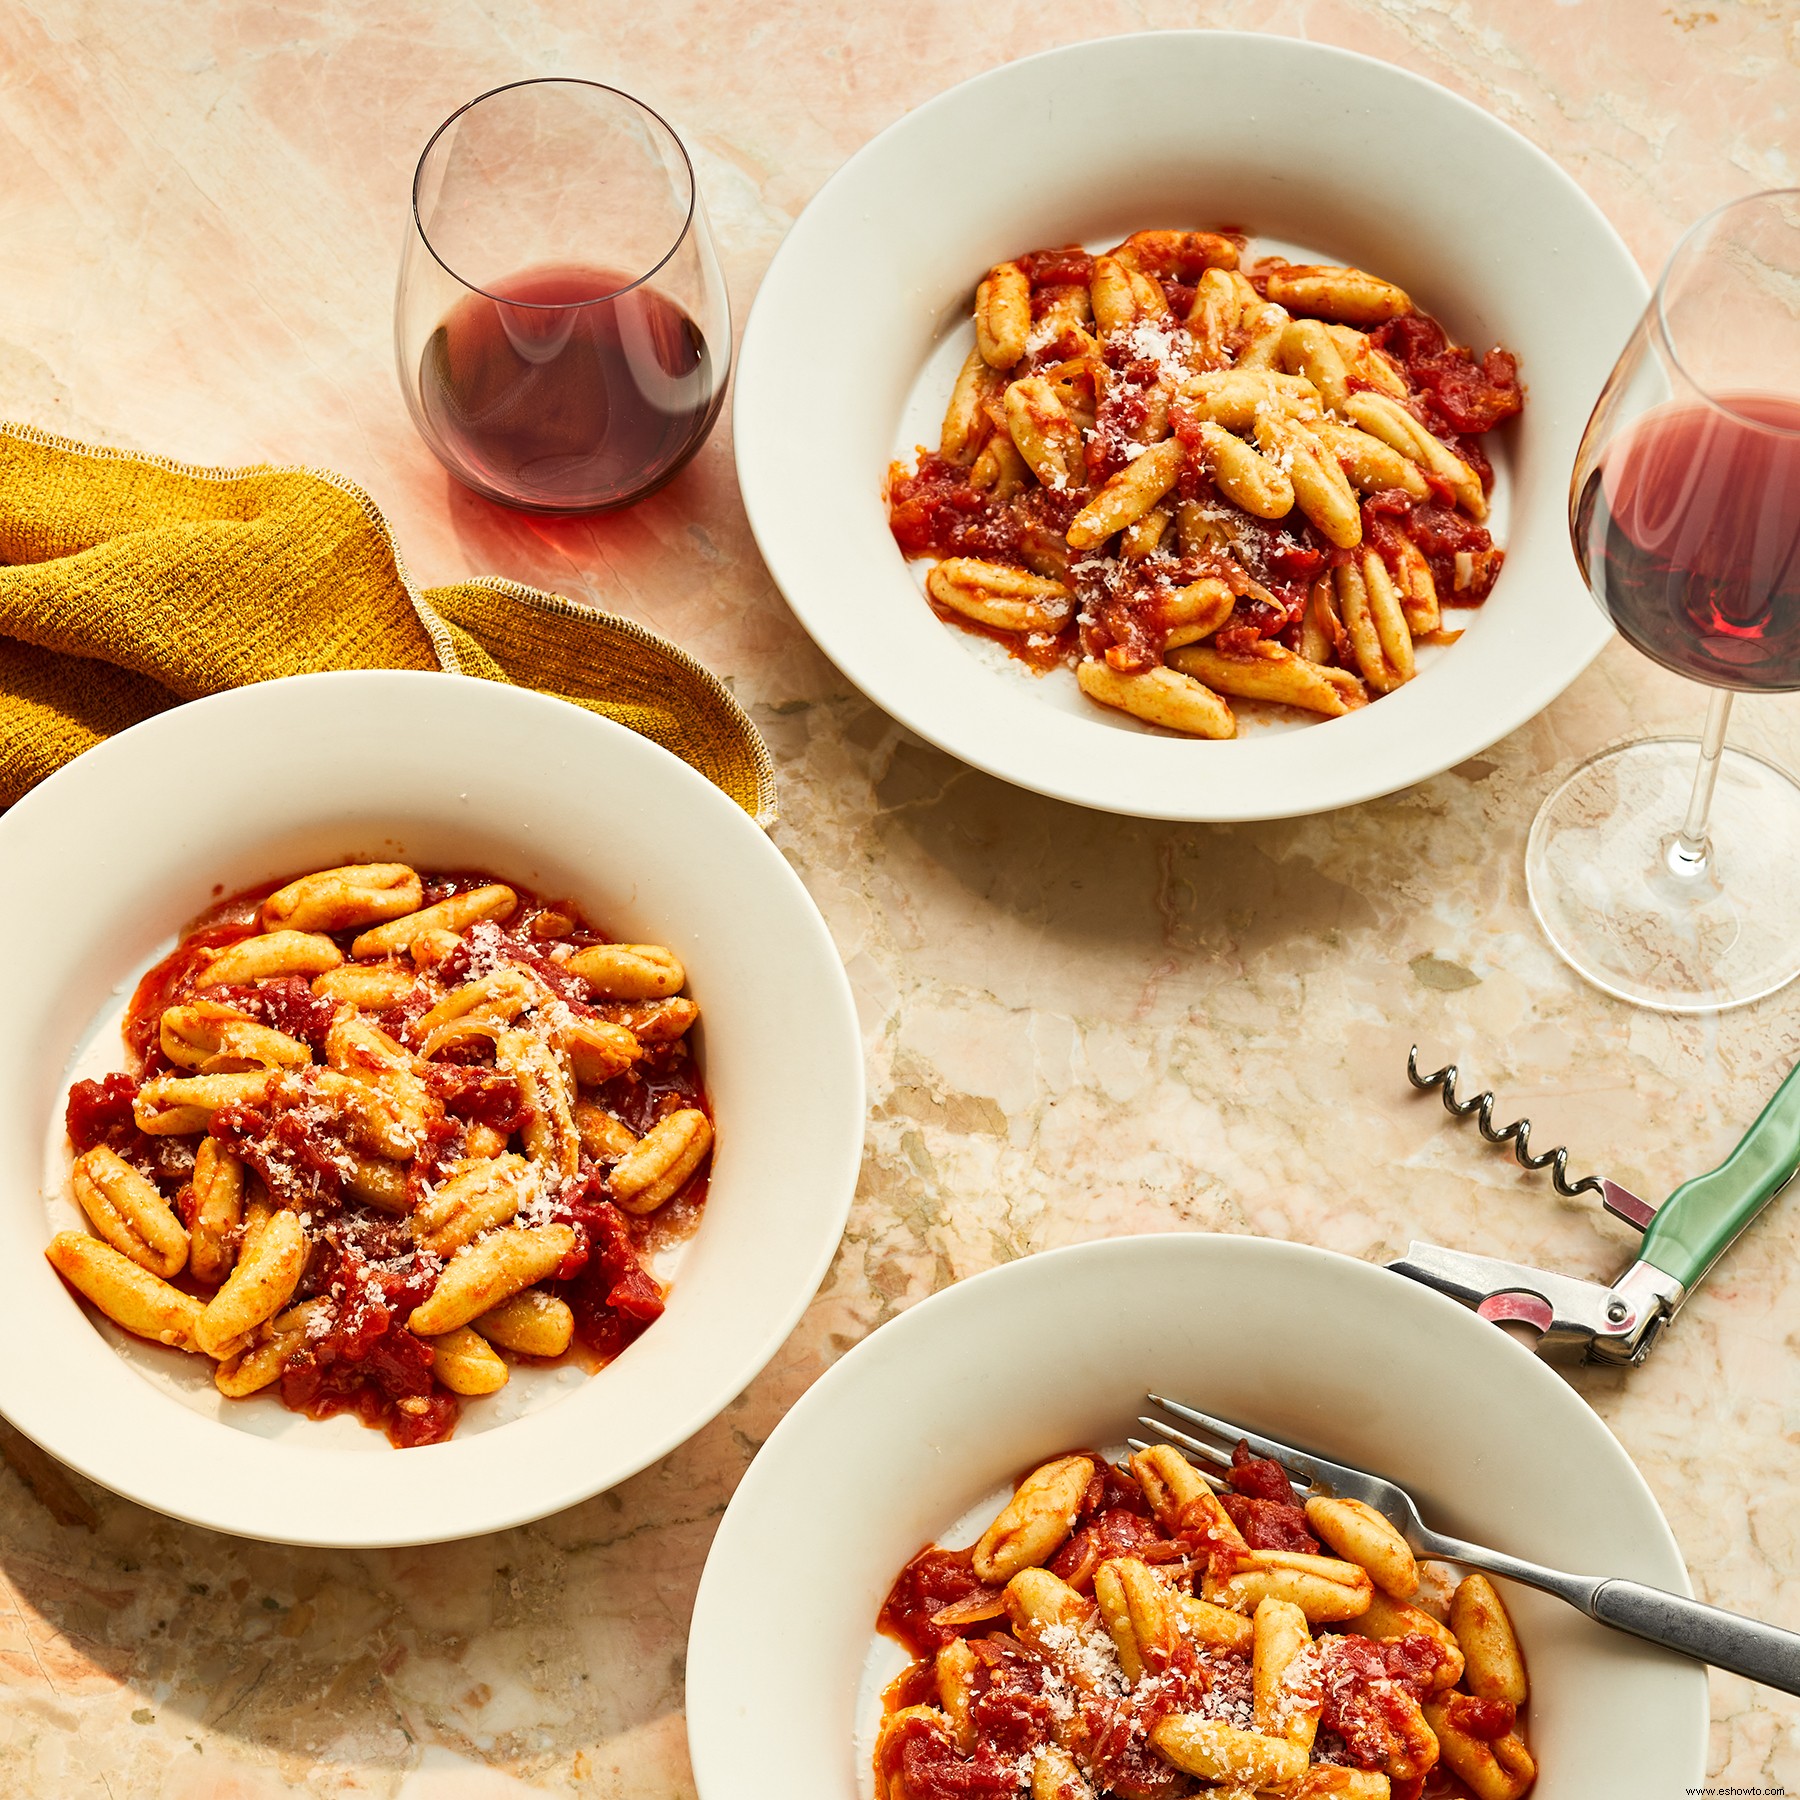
<point x="1076" y="1025"/>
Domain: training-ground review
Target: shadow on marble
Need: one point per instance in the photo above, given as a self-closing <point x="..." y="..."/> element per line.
<point x="524" y="1649"/>
<point x="593" y="559"/>
<point x="1107" y="882"/>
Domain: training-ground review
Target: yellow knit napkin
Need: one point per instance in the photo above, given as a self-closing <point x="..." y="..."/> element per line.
<point x="130" y="583"/>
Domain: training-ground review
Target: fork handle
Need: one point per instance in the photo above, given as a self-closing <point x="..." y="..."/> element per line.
<point x="1727" y="1640"/>
<point x="1709" y="1634"/>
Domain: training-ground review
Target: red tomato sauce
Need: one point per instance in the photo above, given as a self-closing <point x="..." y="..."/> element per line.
<point x="1262" y="1505"/>
<point x="1458" y="393"/>
<point x="1485" y="1719"/>
<point x="368" y="1363"/>
<point x="926" y="1765"/>
<point x="1070" y="266"/>
<point x="288" y="1005"/>
<point x="933" y="1580"/>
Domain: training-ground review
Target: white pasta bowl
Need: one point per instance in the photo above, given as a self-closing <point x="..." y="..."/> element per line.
<point x="107" y="859"/>
<point x="929" y="1422"/>
<point x="863" y="319"/>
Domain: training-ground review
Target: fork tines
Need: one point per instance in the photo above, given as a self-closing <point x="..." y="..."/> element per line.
<point x="1300" y="1468"/>
<point x="1217" y="1483"/>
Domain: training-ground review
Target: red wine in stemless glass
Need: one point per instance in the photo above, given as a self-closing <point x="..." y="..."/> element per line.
<point x="561" y="326"/>
<point x="571" y="385"/>
<point x="1688" y="533"/>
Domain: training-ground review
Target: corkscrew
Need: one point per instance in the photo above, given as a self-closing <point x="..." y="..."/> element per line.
<point x="1620" y="1200"/>
<point x="1683" y="1237"/>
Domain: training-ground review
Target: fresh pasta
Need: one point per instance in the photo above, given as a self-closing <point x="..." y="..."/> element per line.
<point x="1140" y="434"/>
<point x="1126" y="1633"/>
<point x="384" y="1130"/>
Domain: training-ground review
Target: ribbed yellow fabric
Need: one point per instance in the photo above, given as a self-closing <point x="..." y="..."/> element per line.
<point x="130" y="583"/>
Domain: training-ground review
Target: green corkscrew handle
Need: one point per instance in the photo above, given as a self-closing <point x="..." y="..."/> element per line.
<point x="1695" y="1226"/>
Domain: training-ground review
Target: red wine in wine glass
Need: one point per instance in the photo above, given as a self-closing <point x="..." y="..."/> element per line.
<point x="1688" y="532"/>
<point x="567" y="387"/>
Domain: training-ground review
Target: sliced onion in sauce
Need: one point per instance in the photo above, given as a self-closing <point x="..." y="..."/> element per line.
<point x="459" y="1031"/>
<point x="984" y="1603"/>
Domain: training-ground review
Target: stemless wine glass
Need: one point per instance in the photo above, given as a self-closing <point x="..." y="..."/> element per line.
<point x="561" y="322"/>
<point x="1667" y="875"/>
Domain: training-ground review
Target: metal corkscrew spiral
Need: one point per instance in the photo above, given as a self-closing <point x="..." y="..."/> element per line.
<point x="1518" y="1133"/>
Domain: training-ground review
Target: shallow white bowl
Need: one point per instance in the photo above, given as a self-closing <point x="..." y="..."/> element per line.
<point x="863" y="318"/>
<point x="939" y="1411"/>
<point x="104" y="862"/>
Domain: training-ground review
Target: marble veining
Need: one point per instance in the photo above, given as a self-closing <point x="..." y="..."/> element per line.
<point x="1076" y="1025"/>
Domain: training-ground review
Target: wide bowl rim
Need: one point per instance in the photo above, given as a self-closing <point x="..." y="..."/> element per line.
<point x="541" y="719"/>
<point x="1060" y="764"/>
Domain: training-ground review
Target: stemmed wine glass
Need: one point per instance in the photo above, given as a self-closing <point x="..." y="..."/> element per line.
<point x="1665" y="876"/>
<point x="561" y="322"/>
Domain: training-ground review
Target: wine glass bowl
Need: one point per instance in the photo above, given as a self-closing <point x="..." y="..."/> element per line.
<point x="1662" y="877"/>
<point x="1686" y="496"/>
<point x="561" y="324"/>
<point x="1686" y="531"/>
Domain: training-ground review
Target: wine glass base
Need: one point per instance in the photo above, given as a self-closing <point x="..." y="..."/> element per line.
<point x="1621" y="912"/>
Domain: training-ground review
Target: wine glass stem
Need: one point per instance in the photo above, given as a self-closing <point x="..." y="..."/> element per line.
<point x="1688" y="853"/>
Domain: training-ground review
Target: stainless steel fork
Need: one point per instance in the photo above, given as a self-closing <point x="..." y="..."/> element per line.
<point x="1727" y="1640"/>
